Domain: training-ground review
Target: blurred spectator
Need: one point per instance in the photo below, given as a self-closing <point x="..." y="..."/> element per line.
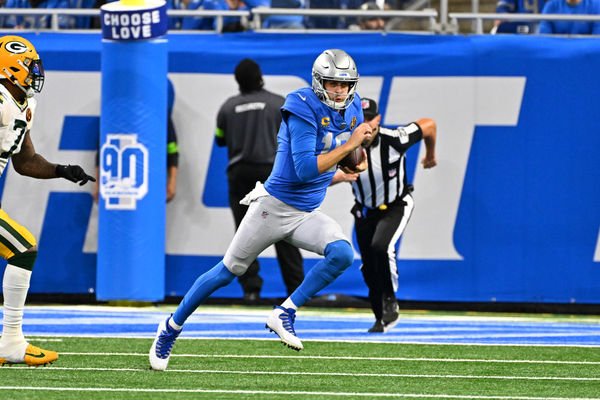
<point x="230" y="24"/>
<point x="86" y="21"/>
<point x="176" y="22"/>
<point x="403" y="24"/>
<point x="571" y="27"/>
<point x="333" y="22"/>
<point x="235" y="24"/>
<point x="329" y="22"/>
<point x="2" y="17"/>
<point x="370" y="23"/>
<point x="37" y="21"/>
<point x="517" y="6"/>
<point x="94" y="22"/>
<point x="284" y="21"/>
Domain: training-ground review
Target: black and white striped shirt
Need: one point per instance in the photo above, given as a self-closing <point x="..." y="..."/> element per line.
<point x="385" y="179"/>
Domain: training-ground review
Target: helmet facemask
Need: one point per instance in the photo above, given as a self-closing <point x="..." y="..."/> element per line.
<point x="323" y="93"/>
<point x="35" y="78"/>
<point x="334" y="65"/>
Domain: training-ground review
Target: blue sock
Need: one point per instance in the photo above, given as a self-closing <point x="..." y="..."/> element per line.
<point x="204" y="286"/>
<point x="338" y="256"/>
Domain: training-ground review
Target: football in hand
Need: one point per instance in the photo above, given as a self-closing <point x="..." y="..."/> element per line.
<point x="353" y="158"/>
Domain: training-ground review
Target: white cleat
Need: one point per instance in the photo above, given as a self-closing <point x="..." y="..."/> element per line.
<point x="281" y="321"/>
<point x="162" y="346"/>
<point x="388" y="327"/>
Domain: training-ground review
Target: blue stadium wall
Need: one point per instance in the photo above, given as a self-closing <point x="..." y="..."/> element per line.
<point x="511" y="214"/>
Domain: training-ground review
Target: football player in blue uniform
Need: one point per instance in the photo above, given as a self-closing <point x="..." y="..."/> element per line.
<point x="320" y="126"/>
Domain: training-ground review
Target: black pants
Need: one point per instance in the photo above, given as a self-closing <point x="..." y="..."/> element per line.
<point x="377" y="233"/>
<point x="242" y="178"/>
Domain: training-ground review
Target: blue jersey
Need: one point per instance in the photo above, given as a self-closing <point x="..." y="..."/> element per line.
<point x="174" y="22"/>
<point x="323" y="129"/>
<point x="37" y="21"/>
<point x="571" y="27"/>
<point x="520" y="6"/>
<point x="209" y="23"/>
<point x="285" y="21"/>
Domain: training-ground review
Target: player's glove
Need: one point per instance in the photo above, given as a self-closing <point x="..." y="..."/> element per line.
<point x="74" y="173"/>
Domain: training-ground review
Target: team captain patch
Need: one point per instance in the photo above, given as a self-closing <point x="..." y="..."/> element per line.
<point x="28" y="115"/>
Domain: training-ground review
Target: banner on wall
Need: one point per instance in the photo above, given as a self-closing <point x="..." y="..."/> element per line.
<point x="509" y="214"/>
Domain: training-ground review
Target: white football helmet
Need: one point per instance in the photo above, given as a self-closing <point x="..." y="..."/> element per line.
<point x="334" y="65"/>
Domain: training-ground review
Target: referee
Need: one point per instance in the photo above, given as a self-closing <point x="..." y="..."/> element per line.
<point x="384" y="206"/>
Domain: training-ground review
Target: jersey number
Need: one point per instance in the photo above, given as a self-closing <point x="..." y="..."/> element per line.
<point x="328" y="141"/>
<point x="328" y="144"/>
<point x="19" y="124"/>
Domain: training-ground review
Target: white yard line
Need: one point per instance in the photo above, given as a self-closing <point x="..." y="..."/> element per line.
<point x="38" y="335"/>
<point x="339" y="394"/>
<point x="292" y="373"/>
<point x="393" y="339"/>
<point x="420" y="359"/>
<point x="441" y="336"/>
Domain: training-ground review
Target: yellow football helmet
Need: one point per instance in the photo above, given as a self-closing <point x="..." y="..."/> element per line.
<point x="21" y="64"/>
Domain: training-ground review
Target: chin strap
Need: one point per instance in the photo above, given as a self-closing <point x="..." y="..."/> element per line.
<point x="28" y="91"/>
<point x="337" y="105"/>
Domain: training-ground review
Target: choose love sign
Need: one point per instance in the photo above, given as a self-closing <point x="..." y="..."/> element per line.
<point x="132" y="20"/>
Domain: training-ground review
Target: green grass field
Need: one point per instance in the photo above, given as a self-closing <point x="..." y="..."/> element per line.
<point x="103" y="368"/>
